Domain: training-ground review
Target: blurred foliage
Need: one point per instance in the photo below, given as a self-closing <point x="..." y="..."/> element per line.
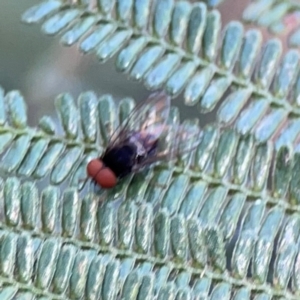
<point x="280" y="17"/>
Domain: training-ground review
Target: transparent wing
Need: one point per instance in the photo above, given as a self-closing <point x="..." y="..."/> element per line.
<point x="148" y="118"/>
<point x="175" y="142"/>
<point x="179" y="140"/>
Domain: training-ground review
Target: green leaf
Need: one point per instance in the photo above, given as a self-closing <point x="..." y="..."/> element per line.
<point x="222" y="222"/>
<point x="180" y="46"/>
<point x="136" y="238"/>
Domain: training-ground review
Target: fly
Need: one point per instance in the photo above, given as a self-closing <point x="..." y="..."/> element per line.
<point x="141" y="141"/>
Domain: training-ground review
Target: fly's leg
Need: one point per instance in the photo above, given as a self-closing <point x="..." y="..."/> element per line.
<point x="158" y="185"/>
<point x="162" y="186"/>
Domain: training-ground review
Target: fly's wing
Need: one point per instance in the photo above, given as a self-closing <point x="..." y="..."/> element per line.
<point x="179" y="140"/>
<point x="148" y="118"/>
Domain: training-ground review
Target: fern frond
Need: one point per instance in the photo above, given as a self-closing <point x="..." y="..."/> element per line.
<point x="78" y="248"/>
<point x="224" y="156"/>
<point x="170" y="215"/>
<point x="222" y="223"/>
<point x="280" y="17"/>
<point x="66" y="247"/>
<point x="177" y="47"/>
<point x="36" y="152"/>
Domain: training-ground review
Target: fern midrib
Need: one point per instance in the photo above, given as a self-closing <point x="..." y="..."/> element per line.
<point x="263" y="195"/>
<point x="36" y="134"/>
<point x="30" y="288"/>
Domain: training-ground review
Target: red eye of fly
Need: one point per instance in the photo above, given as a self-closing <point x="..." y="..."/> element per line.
<point x="94" y="167"/>
<point x="106" y="178"/>
<point x="101" y="174"/>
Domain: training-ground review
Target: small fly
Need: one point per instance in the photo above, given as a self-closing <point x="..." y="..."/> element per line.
<point x="143" y="139"/>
